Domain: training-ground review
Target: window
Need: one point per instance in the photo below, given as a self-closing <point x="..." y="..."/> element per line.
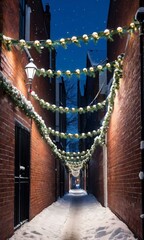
<point x="24" y="20"/>
<point x="27" y="23"/>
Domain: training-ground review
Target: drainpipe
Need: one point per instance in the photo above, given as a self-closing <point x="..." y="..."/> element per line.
<point x="27" y="53"/>
<point x="140" y="17"/>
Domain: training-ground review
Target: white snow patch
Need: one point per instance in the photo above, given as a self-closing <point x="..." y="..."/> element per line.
<point x="76" y="216"/>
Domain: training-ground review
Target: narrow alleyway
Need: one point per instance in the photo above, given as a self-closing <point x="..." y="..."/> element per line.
<point x="76" y="216"/>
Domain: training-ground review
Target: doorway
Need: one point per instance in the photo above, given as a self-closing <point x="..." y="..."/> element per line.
<point x="22" y="172"/>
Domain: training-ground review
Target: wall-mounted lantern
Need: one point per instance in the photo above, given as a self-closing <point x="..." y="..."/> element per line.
<point x="30" y="70"/>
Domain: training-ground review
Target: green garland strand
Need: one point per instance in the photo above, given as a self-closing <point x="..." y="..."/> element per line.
<point x="73" y="135"/>
<point x="80" y="110"/>
<point x="86" y="71"/>
<point x="85" y="38"/>
<point x="78" y="160"/>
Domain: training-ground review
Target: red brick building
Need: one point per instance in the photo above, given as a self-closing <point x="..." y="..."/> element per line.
<point x="124" y="135"/>
<point x="92" y="120"/>
<point x="117" y="184"/>
<point x="27" y="165"/>
<point x="62" y="178"/>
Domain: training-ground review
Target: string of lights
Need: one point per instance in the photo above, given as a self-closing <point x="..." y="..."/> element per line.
<point x="74" y="160"/>
<point x="71" y="161"/>
<point x="85" y="38"/>
<point x="68" y="73"/>
<point x="80" y="110"/>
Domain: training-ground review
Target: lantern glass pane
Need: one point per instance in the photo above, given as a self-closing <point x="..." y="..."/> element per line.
<point x="30" y="70"/>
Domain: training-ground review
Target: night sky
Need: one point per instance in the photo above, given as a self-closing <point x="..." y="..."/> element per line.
<point x="75" y="18"/>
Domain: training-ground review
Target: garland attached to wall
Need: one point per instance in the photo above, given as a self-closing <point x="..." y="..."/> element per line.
<point x="74" y="160"/>
<point x="80" y="110"/>
<point x="77" y="160"/>
<point x="85" y="38"/>
<point x="54" y="108"/>
<point x="100" y="140"/>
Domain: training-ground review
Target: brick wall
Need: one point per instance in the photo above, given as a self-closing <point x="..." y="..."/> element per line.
<point x="124" y="135"/>
<point x="66" y="187"/>
<point x="8" y="114"/>
<point x="6" y="168"/>
<point x="95" y="175"/>
<point x="42" y="172"/>
<point x="121" y="13"/>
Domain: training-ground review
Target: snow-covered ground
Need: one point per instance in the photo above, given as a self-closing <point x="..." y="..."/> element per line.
<point x="77" y="216"/>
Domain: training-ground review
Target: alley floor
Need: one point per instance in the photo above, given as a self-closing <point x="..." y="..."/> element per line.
<point x="76" y="216"/>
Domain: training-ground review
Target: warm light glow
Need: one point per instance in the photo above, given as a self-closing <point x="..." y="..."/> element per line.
<point x="30" y="70"/>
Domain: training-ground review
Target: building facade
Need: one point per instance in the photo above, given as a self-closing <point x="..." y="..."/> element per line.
<point x="94" y="92"/>
<point x="27" y="165"/>
<point x="118" y="164"/>
<point x="124" y="135"/>
<point x="62" y="174"/>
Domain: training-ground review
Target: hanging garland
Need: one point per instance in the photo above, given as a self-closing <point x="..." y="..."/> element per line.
<point x="89" y="108"/>
<point x="20" y="100"/>
<point x="54" y="108"/>
<point x="72" y="135"/>
<point x="100" y="140"/>
<point x="103" y="129"/>
<point x="76" y="159"/>
<point x="82" y="135"/>
<point x="86" y="71"/>
<point x="71" y="161"/>
<point x="95" y="36"/>
<point x="63" y="153"/>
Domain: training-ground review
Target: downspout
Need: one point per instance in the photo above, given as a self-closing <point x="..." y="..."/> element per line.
<point x="142" y="114"/>
<point x="27" y="53"/>
<point x="140" y="17"/>
<point x="1" y="29"/>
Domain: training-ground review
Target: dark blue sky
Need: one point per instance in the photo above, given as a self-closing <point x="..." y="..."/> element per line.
<point x="75" y="18"/>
